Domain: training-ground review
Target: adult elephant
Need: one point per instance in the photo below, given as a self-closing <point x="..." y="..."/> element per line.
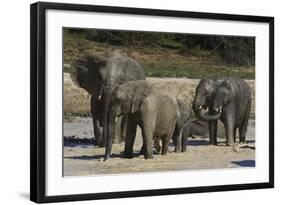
<point x="100" y="76"/>
<point x="227" y="99"/>
<point x="155" y="113"/>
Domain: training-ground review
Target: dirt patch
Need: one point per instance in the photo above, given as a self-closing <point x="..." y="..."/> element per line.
<point x="87" y="159"/>
<point x="82" y="158"/>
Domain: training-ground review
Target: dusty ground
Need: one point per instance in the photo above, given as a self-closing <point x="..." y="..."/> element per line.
<point x="82" y="158"/>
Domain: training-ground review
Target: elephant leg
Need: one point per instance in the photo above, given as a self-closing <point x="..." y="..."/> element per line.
<point x="178" y="142"/>
<point x="147" y="137"/>
<point x="118" y="130"/>
<point x="242" y="133"/>
<point x="124" y="127"/>
<point x="130" y="139"/>
<point x="234" y="133"/>
<point x="165" y="144"/>
<point x="97" y="132"/>
<point x="96" y="122"/>
<point x="183" y="142"/>
<point x="213" y="132"/>
<point x="186" y="133"/>
<point x="157" y="145"/>
<point x="142" y="150"/>
<point x="243" y="127"/>
<point x="229" y="131"/>
<point x="166" y="141"/>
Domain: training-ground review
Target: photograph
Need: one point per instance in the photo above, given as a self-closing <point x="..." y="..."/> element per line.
<point x="145" y="102"/>
<point x="133" y="102"/>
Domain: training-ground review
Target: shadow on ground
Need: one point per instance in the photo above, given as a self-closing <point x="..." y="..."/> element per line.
<point x="247" y="147"/>
<point x="197" y="142"/>
<point x="73" y="141"/>
<point x="245" y="163"/>
<point x="87" y="157"/>
<point x="100" y="156"/>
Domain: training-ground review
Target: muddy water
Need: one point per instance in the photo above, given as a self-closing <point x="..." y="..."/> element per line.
<point x="82" y="158"/>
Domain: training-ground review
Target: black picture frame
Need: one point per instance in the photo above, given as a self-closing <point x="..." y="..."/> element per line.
<point x="38" y="100"/>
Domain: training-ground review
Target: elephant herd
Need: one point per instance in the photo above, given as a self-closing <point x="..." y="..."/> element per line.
<point x="120" y="92"/>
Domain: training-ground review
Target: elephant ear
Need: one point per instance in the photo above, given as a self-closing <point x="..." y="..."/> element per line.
<point x="79" y="71"/>
<point x="96" y="61"/>
<point x="141" y="91"/>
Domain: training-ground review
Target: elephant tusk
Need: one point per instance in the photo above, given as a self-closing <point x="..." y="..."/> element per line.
<point x="99" y="97"/>
<point x="115" y="119"/>
<point x="220" y="108"/>
<point x="200" y="107"/>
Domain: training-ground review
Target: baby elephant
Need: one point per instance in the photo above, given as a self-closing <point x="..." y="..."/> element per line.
<point x="183" y="118"/>
<point x="155" y="113"/>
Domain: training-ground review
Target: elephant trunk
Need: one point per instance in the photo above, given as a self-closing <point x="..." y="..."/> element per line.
<point x="207" y="117"/>
<point x="112" y="116"/>
<point x="107" y="97"/>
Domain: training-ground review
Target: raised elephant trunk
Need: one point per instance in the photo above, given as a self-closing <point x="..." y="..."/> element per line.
<point x="207" y="117"/>
<point x="112" y="116"/>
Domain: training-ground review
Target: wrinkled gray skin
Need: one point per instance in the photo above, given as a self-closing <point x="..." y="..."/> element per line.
<point x="227" y="99"/>
<point x="100" y="76"/>
<point x="156" y="114"/>
<point x="183" y="117"/>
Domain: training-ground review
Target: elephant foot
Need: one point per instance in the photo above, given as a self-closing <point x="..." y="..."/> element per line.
<point x="230" y="144"/>
<point x="128" y="155"/>
<point x="213" y="143"/>
<point x="242" y="142"/>
<point x="148" y="157"/>
<point x="141" y="151"/>
<point x="106" y="157"/>
<point x="164" y="154"/>
<point x="183" y="150"/>
<point x="177" y="151"/>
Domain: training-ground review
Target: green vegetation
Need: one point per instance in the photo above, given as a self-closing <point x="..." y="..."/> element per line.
<point x="168" y="55"/>
<point x="196" y="71"/>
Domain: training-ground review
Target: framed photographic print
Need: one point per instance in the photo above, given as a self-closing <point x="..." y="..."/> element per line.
<point x="129" y="102"/>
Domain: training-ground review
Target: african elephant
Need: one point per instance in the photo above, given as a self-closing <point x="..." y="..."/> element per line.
<point x="100" y="76"/>
<point x="183" y="117"/>
<point x="86" y="71"/>
<point x="227" y="99"/>
<point x="155" y="113"/>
